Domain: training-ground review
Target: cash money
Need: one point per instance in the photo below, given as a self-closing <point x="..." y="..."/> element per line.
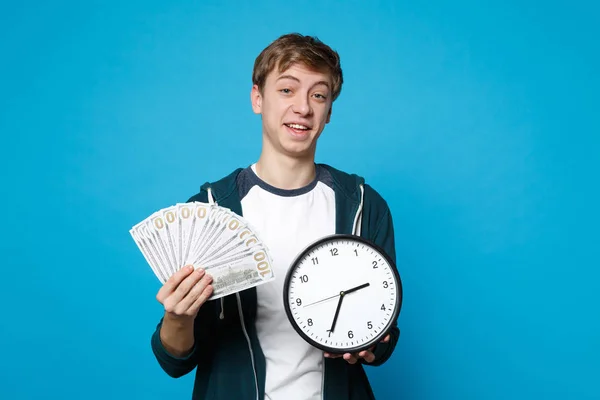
<point x="206" y="236"/>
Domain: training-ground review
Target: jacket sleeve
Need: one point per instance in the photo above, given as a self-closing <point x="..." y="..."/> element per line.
<point x="204" y="326"/>
<point x="201" y="354"/>
<point x="383" y="236"/>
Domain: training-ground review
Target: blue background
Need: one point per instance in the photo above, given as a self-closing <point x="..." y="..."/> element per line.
<point x="478" y="123"/>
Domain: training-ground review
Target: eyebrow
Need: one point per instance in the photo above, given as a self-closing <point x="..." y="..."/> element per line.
<point x="298" y="80"/>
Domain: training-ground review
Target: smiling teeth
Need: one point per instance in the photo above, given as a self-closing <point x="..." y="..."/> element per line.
<point x="296" y="126"/>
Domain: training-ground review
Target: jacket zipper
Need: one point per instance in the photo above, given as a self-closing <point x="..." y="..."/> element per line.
<point x="249" y="344"/>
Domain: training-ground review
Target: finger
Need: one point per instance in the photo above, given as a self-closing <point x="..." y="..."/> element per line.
<point x="367" y="356"/>
<point x="173" y="282"/>
<point x="330" y="355"/>
<point x="182" y="290"/>
<point x="386" y="339"/>
<point x="206" y="293"/>
<point x="195" y="292"/>
<point x="202" y="298"/>
<point x="188" y="283"/>
<point x="350" y="358"/>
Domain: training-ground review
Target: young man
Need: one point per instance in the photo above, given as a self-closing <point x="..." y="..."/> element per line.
<point x="243" y="346"/>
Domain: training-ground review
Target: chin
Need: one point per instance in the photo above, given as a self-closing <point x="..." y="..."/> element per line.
<point x="298" y="149"/>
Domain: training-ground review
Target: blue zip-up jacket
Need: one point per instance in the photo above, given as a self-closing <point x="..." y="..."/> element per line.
<point x="227" y="355"/>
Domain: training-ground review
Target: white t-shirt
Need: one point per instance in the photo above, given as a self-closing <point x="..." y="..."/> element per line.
<point x="287" y="221"/>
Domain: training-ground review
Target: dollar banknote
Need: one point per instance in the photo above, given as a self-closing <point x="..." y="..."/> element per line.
<point x="206" y="236"/>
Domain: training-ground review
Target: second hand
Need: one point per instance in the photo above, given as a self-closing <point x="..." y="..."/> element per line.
<point x="344" y="292"/>
<point x="320" y="301"/>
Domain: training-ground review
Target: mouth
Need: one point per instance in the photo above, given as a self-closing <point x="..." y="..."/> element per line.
<point x="298" y="129"/>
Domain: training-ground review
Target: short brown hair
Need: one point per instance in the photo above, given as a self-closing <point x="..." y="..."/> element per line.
<point x="295" y="48"/>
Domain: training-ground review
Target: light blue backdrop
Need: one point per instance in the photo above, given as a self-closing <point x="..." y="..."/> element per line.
<point x="478" y="123"/>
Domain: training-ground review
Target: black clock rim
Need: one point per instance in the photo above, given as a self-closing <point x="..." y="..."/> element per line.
<point x="341" y="350"/>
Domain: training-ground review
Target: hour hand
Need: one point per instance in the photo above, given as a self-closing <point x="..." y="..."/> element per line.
<point x="354" y="289"/>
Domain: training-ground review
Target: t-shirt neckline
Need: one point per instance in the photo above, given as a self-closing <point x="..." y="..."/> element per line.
<point x="286" y="192"/>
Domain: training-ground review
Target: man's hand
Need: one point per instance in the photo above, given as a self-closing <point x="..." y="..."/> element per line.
<point x="353" y="358"/>
<point x="184" y="293"/>
<point x="182" y="296"/>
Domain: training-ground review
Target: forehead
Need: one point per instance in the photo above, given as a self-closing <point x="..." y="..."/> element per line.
<point x="301" y="74"/>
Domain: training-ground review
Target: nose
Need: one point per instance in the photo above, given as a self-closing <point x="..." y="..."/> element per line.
<point x="301" y="105"/>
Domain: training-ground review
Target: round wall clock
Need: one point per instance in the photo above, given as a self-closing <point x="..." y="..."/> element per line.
<point x="342" y="293"/>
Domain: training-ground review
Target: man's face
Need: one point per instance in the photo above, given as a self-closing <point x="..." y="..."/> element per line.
<point x="295" y="107"/>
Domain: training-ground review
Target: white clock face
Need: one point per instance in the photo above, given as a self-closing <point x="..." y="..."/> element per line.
<point x="342" y="294"/>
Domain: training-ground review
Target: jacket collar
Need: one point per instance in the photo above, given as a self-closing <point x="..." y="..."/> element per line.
<point x="347" y="188"/>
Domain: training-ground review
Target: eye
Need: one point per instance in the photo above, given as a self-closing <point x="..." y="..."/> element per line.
<point x="319" y="96"/>
<point x="286" y="91"/>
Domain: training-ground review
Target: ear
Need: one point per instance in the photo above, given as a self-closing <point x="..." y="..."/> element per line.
<point x="256" y="99"/>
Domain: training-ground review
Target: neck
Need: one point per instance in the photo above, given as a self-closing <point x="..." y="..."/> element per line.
<point x="285" y="172"/>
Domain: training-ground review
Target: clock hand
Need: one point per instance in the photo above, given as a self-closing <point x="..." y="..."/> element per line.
<point x="354" y="289"/>
<point x="337" y="311"/>
<point x="345" y="292"/>
<point x="320" y="301"/>
<point x="342" y="294"/>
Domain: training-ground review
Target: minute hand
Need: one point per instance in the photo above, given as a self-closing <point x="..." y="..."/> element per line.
<point x="342" y="295"/>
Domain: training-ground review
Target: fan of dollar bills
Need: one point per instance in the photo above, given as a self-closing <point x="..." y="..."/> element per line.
<point x="206" y="236"/>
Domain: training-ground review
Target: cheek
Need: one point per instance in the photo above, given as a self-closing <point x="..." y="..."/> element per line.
<point x="272" y="117"/>
<point x="323" y="114"/>
<point x="275" y="110"/>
